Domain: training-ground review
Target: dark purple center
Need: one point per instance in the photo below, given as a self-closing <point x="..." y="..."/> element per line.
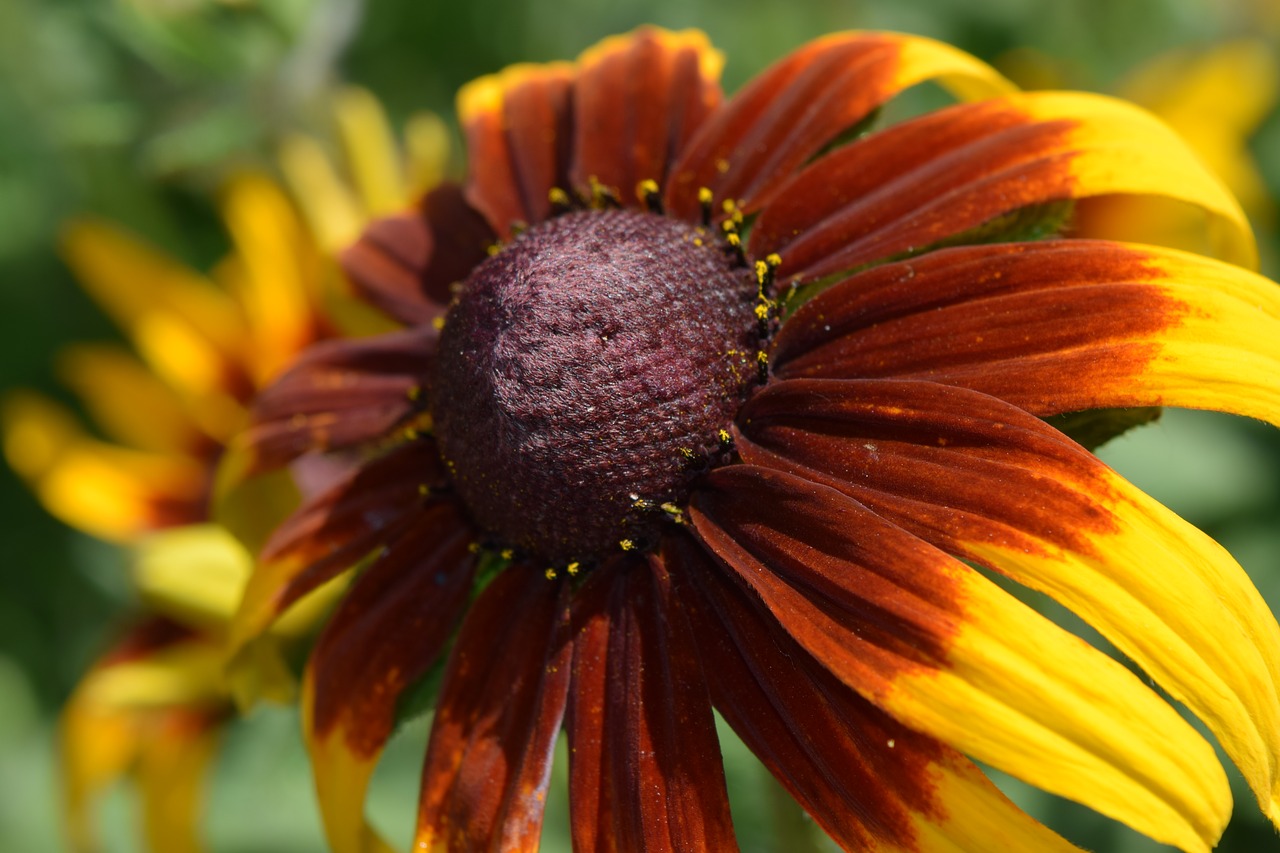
<point x="584" y="376"/>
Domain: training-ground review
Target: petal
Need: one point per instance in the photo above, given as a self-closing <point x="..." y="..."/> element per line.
<point x="484" y="783"/>
<point x="328" y="205"/>
<point x="984" y="480"/>
<point x="947" y="653"/>
<point x="134" y="281"/>
<point x="644" y="764"/>
<point x="938" y="176"/>
<point x="638" y="99"/>
<point x="803" y="102"/>
<point x="405" y="264"/>
<point x="334" y="530"/>
<point x="1052" y="327"/>
<point x="128" y="401"/>
<point x="518" y="126"/>
<point x="105" y="490"/>
<point x="371" y="151"/>
<point x="272" y="273"/>
<point x="869" y="781"/>
<point x="177" y="754"/>
<point x="388" y="631"/>
<point x="341" y="394"/>
<point x="103" y="738"/>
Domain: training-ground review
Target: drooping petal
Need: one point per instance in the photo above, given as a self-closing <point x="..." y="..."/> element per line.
<point x="334" y="530"/>
<point x="645" y="772"/>
<point x="340" y="394"/>
<point x="869" y="781"/>
<point x="949" y="654"/>
<point x="806" y="100"/>
<point x="389" y="630"/>
<point x="980" y="478"/>
<point x="519" y="128"/>
<point x="176" y="755"/>
<point x="149" y="710"/>
<point x="935" y="177"/>
<point x="488" y="764"/>
<point x="405" y="264"/>
<point x="1052" y="327"/>
<point x="638" y="98"/>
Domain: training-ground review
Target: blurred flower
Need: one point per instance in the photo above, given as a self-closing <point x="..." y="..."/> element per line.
<point x="152" y="707"/>
<point x="730" y="396"/>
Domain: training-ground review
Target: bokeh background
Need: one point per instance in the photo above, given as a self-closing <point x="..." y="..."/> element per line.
<point x="137" y="110"/>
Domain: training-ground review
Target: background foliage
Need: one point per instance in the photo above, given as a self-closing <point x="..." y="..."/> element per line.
<point x="137" y="109"/>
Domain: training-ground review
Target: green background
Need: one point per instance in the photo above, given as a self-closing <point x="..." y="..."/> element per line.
<point x="137" y="110"/>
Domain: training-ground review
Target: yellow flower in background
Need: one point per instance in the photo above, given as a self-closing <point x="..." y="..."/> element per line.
<point x="202" y="345"/>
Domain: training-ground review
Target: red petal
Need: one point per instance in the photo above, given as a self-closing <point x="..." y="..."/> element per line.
<point x="390" y="629"/>
<point x="1043" y="325"/>
<point x="339" y="394"/>
<point x="489" y="761"/>
<point x="518" y="126"/>
<point x="942" y="461"/>
<point x="330" y="533"/>
<point x="637" y="100"/>
<point x="644" y="764"/>
<point x="788" y="112"/>
<point x="406" y="263"/>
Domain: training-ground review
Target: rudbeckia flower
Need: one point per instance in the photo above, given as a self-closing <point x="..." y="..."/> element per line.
<point x="152" y="708"/>
<point x="722" y="403"/>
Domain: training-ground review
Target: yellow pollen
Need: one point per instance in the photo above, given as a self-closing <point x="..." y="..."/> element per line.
<point x="724" y="436"/>
<point x="550" y="574"/>
<point x="773" y="259"/>
<point x="558" y="197"/>
<point x="626" y="544"/>
<point x="572" y="569"/>
<point x="722" y="165"/>
<point x="473" y="548"/>
<point x="493" y="249"/>
<point x="424" y="489"/>
<point x="414" y="393"/>
<point x="705" y="196"/>
<point x="507" y="554"/>
<point x="733" y="240"/>
<point x="646" y="188"/>
<point x="438" y="322"/>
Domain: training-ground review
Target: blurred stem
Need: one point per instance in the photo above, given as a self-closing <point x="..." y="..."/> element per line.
<point x="793" y="830"/>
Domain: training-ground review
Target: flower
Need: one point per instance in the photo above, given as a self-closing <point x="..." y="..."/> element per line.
<point x="152" y="708"/>
<point x="717" y="403"/>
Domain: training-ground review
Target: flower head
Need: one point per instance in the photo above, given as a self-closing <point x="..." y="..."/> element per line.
<point x="715" y="403"/>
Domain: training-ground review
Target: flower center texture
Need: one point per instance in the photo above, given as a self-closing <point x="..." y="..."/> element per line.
<point x="585" y="377"/>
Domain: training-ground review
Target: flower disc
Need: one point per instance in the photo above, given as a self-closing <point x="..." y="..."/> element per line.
<point x="584" y="375"/>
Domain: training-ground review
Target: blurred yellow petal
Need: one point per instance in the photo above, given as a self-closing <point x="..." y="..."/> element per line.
<point x="107" y="491"/>
<point x="126" y="399"/>
<point x="332" y="212"/>
<point x="426" y="142"/>
<point x="185" y="673"/>
<point x="271" y="273"/>
<point x="195" y="573"/>
<point x="371" y="151"/>
<point x="172" y="769"/>
<point x="96" y="747"/>
<point x="135" y="283"/>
